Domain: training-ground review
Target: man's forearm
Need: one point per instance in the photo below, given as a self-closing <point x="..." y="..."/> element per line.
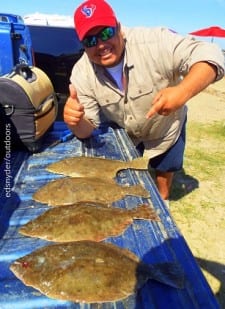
<point x="201" y="75"/>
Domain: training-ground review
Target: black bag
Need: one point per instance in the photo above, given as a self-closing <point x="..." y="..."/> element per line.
<point x="28" y="107"/>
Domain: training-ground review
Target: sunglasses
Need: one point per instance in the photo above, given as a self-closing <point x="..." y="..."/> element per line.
<point x="105" y="34"/>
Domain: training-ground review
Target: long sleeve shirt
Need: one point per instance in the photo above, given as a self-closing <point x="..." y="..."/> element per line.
<point x="154" y="58"/>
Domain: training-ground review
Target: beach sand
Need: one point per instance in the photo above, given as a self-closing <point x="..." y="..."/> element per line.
<point x="203" y="226"/>
<point x="209" y="105"/>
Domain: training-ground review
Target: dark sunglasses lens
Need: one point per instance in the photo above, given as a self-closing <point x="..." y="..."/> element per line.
<point x="90" y="41"/>
<point x="107" y="33"/>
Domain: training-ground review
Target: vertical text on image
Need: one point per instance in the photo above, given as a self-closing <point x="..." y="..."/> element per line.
<point x="7" y="160"/>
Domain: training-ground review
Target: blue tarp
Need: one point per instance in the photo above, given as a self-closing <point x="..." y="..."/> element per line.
<point x="152" y="242"/>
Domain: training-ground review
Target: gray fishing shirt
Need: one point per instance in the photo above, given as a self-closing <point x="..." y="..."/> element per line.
<point x="154" y="58"/>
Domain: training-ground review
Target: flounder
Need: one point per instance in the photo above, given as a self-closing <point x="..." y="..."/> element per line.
<point x="84" y="222"/>
<point x="70" y="190"/>
<point x="90" y="272"/>
<point x="93" y="166"/>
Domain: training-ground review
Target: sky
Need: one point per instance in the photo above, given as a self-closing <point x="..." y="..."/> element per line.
<point x="181" y="16"/>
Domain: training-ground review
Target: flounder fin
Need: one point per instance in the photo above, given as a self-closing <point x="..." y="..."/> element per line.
<point x="140" y="163"/>
<point x="145" y="211"/>
<point x="137" y="190"/>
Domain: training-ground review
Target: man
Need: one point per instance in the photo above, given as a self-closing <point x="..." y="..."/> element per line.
<point x="139" y="78"/>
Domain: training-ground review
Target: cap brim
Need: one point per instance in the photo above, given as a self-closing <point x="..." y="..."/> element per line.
<point x="107" y="21"/>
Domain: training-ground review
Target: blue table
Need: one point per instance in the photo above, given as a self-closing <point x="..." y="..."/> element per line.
<point x="153" y="242"/>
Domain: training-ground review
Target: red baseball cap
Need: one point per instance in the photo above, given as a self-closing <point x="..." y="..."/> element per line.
<point x="93" y="13"/>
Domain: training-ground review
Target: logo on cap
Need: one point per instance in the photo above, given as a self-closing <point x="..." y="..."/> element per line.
<point x="88" y="11"/>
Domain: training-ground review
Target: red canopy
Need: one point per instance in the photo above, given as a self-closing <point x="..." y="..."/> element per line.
<point x="213" y="31"/>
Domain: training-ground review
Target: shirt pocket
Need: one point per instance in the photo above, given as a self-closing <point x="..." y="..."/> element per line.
<point x="139" y="92"/>
<point x="140" y="100"/>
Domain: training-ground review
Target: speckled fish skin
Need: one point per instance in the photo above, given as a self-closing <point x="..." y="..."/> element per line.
<point x="93" y="166"/>
<point x="82" y="222"/>
<point x="90" y="272"/>
<point x="70" y="190"/>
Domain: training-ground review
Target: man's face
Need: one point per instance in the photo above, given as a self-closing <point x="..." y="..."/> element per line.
<point x="106" y="53"/>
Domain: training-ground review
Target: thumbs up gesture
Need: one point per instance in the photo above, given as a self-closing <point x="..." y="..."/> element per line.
<point x="73" y="110"/>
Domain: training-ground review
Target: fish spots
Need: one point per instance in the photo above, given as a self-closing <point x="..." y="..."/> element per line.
<point x="25" y="264"/>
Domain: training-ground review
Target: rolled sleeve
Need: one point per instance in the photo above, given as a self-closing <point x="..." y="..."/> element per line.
<point x="188" y="51"/>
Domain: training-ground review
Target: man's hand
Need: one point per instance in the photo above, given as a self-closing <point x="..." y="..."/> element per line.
<point x="167" y="100"/>
<point x="73" y="110"/>
<point x="74" y="116"/>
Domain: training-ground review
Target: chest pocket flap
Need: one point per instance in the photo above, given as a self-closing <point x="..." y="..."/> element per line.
<point x="107" y="99"/>
<point x="137" y="92"/>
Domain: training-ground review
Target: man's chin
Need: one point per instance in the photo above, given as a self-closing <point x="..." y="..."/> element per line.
<point x="109" y="62"/>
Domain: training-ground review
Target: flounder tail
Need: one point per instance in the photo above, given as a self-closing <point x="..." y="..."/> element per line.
<point x="137" y="190"/>
<point x="145" y="211"/>
<point x="140" y="163"/>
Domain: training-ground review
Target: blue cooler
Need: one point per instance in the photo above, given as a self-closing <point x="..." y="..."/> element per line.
<point x="15" y="43"/>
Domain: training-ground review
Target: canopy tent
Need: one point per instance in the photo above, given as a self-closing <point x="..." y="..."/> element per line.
<point x="213" y="31"/>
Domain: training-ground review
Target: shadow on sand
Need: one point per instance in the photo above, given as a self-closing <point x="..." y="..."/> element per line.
<point x="183" y="184"/>
<point x="217" y="270"/>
